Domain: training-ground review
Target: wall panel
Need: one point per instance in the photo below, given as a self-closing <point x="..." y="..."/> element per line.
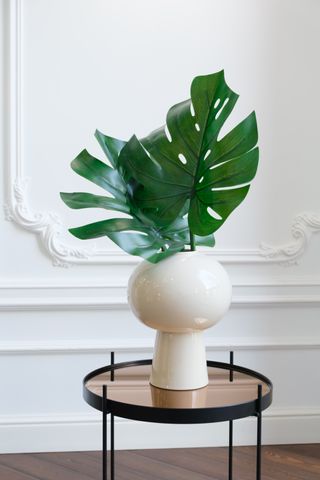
<point x="75" y="65"/>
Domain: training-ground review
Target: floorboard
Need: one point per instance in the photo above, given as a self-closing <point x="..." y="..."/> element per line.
<point x="280" y="462"/>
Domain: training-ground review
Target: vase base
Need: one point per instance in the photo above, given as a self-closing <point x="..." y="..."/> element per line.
<point x="179" y="361"/>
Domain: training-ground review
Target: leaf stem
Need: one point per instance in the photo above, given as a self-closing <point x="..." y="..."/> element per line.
<point x="192" y="242"/>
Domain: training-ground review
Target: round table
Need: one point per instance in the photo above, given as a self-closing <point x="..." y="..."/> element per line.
<point x="123" y="390"/>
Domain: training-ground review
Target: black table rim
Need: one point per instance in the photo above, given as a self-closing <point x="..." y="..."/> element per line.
<point x="178" y="415"/>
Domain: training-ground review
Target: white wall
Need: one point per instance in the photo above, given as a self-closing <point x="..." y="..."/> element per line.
<point x="75" y="65"/>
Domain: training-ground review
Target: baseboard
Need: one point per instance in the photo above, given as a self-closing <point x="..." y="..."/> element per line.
<point x="83" y="432"/>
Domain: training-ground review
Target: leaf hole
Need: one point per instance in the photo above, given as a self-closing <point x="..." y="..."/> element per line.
<point x="214" y="214"/>
<point x="221" y="108"/>
<point x="197" y="127"/>
<point x="216" y="103"/>
<point x="182" y="158"/>
<point x="192" y="110"/>
<point x="201" y="180"/>
<point x="207" y="154"/>
<point x="168" y="134"/>
<point x="233" y="187"/>
<point x="219" y="164"/>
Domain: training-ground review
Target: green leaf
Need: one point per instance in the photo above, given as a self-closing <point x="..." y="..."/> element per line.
<point x="145" y="242"/>
<point x="161" y="195"/>
<point x="104" y="227"/>
<point x="179" y="231"/>
<point x="173" y="248"/>
<point x="230" y="173"/>
<point x="189" y="162"/>
<point x="99" y="173"/>
<point x="237" y="142"/>
<point x="136" y="243"/>
<point x="144" y="246"/>
<point x="223" y="201"/>
<point x="78" y="200"/>
<point x="111" y="147"/>
<point x="180" y="178"/>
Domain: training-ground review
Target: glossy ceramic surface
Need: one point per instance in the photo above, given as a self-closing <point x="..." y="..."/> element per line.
<point x="180" y="297"/>
<point x="188" y="291"/>
<point x="179" y="361"/>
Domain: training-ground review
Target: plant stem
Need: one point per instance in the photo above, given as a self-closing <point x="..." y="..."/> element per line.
<point x="192" y="242"/>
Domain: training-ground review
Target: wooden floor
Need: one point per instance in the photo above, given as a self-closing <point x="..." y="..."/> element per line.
<point x="292" y="462"/>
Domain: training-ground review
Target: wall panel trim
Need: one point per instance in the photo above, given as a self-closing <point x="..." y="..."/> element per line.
<point x="53" y="297"/>
<point x="80" y="432"/>
<point x="73" y="304"/>
<point x="142" y="346"/>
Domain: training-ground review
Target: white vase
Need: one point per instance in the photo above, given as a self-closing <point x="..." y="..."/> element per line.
<point x="180" y="297"/>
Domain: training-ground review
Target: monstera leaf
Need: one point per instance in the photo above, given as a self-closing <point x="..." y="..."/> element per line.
<point x="137" y="235"/>
<point x="175" y="187"/>
<point x="186" y="162"/>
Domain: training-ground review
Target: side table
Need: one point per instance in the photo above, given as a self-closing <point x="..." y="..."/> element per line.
<point x="123" y="390"/>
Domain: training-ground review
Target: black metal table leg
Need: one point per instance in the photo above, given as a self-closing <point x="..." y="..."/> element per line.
<point x="112" y="447"/>
<point x="230" y="427"/>
<point x="112" y="363"/>
<point x="112" y="469"/>
<point x="104" y="433"/>
<point x="259" y="424"/>
<point x="230" y="449"/>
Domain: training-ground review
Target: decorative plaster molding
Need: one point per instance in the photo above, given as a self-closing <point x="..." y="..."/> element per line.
<point x="303" y="227"/>
<point x="49" y="228"/>
<point x="48" y="225"/>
